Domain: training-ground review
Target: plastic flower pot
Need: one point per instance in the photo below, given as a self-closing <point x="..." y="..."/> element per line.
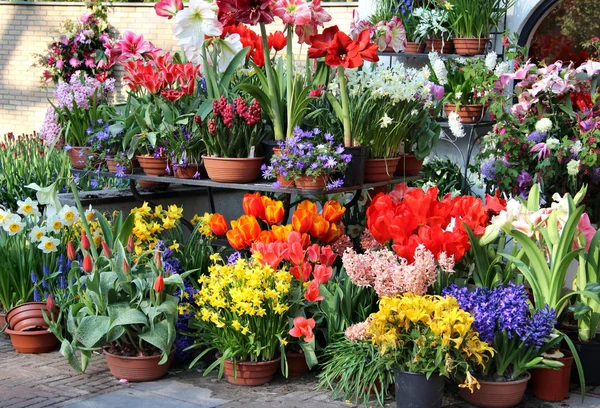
<point x="408" y="165"/>
<point x="232" y="170"/>
<point x="32" y="341"/>
<point x="78" y="156"/>
<point x="468" y="113"/>
<point x="496" y="394"/>
<point x="137" y="369"/>
<point x="28" y="316"/>
<point x="589" y="354"/>
<point x="297" y="366"/>
<point x="470" y="46"/>
<point x="153" y="166"/>
<point x="553" y="385"/>
<point x="377" y="170"/>
<point x="251" y="373"/>
<point x="355" y="172"/>
<point x="310" y="183"/>
<point x="414" y="390"/>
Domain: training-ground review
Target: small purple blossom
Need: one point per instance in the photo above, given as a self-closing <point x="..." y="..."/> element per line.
<point x="233" y="258"/>
<point x="536" y="136"/>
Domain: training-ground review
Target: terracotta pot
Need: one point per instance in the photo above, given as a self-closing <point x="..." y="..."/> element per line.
<point x="28" y="316"/>
<point x="188" y="172"/>
<point x="467" y="113"/>
<point x="311" y="183"/>
<point x="248" y="373"/>
<point x="553" y="385"/>
<point x="137" y="369"/>
<point x="377" y="170"/>
<point x="445" y="47"/>
<point x="470" y="46"/>
<point x="414" y="47"/>
<point x="589" y="354"/>
<point x="153" y="185"/>
<point x="112" y="167"/>
<point x="78" y="156"/>
<point x="153" y="166"/>
<point x="408" y="165"/>
<point x="2" y="320"/>
<point x="297" y="366"/>
<point x="232" y="170"/>
<point x="286" y="183"/>
<point x="32" y="342"/>
<point x="496" y="394"/>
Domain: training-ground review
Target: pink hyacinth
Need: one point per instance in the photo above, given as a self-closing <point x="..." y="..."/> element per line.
<point x="359" y="331"/>
<point x="50" y="129"/>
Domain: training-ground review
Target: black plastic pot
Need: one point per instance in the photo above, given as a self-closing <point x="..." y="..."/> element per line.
<point x="355" y="173"/>
<point x="267" y="147"/>
<point x="589" y="354"/>
<point x="414" y="390"/>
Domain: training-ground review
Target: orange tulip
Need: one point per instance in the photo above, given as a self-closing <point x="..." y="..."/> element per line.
<point x="236" y="240"/>
<point x="266" y="237"/>
<point x="332" y="235"/>
<point x="248" y="226"/>
<point x="333" y="211"/>
<point x="274" y="212"/>
<point x="159" y="284"/>
<point x="302" y="220"/>
<point x="320" y="226"/>
<point x="218" y="224"/>
<point x="281" y="232"/>
<point x="308" y="206"/>
<point x="253" y="205"/>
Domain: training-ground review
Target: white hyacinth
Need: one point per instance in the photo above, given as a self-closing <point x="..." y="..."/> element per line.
<point x="573" y="167"/>
<point x="490" y="60"/>
<point x="455" y="125"/>
<point x="440" y="71"/>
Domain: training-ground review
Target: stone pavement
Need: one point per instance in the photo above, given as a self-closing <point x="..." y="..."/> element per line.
<point x="47" y="380"/>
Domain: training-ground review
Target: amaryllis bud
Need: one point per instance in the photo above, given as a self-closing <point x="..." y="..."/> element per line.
<point x="50" y="304"/>
<point x="125" y="267"/>
<point x="71" y="254"/>
<point x="130" y="244"/>
<point x="87" y="263"/>
<point x="159" y="284"/>
<point x="106" y="249"/>
<point x="158" y="260"/>
<point x="85" y="242"/>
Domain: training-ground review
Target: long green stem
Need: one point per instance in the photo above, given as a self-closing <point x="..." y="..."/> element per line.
<point x="276" y="113"/>
<point x="290" y="79"/>
<point x="345" y="106"/>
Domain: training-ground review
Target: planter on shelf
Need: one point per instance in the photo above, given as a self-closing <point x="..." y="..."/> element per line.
<point x="470" y="46"/>
<point x="439" y="46"/>
<point x="408" y="165"/>
<point x="232" y="170"/>
<point x="283" y="183"/>
<point x="468" y="113"/>
<point x="153" y="166"/>
<point x="355" y="172"/>
<point x="112" y="167"/>
<point x="414" y="47"/>
<point x="589" y="354"/>
<point x="416" y="391"/>
<point x="28" y="316"/>
<point x="153" y="185"/>
<point x="311" y="182"/>
<point x="33" y="341"/>
<point x="137" y="369"/>
<point x="496" y="394"/>
<point x="78" y="156"/>
<point x="189" y="171"/>
<point x="297" y="366"/>
<point x="553" y="385"/>
<point x="270" y="148"/>
<point x="377" y="170"/>
<point x="249" y="373"/>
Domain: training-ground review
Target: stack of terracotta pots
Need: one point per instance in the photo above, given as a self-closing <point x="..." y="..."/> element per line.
<point x="28" y="330"/>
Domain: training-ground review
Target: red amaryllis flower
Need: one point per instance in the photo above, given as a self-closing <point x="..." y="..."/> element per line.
<point x="365" y="48"/>
<point x="227" y="11"/>
<point x="320" y="42"/>
<point x="303" y="327"/>
<point x="171" y="95"/>
<point x="350" y="54"/>
<point x="494" y="204"/>
<point x="277" y="41"/>
<point x="254" y="11"/>
<point x="168" y="8"/>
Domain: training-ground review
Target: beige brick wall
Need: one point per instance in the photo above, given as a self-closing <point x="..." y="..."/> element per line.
<point x="27" y="28"/>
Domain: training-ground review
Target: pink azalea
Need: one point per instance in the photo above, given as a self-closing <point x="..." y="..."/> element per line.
<point x="60" y="64"/>
<point x="132" y="45"/>
<point x="74" y="62"/>
<point x="168" y="8"/>
<point x="294" y="12"/>
<point x="542" y="149"/>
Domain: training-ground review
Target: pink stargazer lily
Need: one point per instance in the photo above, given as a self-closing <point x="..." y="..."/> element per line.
<point x="168" y="8"/>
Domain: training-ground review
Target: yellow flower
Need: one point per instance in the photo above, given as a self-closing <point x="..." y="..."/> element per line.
<point x="158" y="211"/>
<point x="174" y="212"/>
<point x="143" y="210"/>
<point x="195" y="219"/>
<point x="236" y="325"/>
<point x="284" y="342"/>
<point x="169" y="223"/>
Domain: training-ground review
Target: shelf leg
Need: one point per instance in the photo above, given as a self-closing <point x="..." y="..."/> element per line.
<point x="211" y="200"/>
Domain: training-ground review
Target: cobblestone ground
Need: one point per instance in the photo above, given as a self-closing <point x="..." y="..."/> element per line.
<point x="46" y="380"/>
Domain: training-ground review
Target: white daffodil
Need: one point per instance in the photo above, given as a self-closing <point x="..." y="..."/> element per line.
<point x="89" y="213"/>
<point x="68" y="215"/>
<point x="385" y="121"/>
<point x="27" y="207"/>
<point x="229" y="48"/>
<point x="196" y="21"/>
<point x="49" y="244"/>
<point x="3" y="215"/>
<point x="36" y="234"/>
<point x="13" y="224"/>
<point x="54" y="224"/>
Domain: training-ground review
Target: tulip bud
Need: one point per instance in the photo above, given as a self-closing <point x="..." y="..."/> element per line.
<point x="85" y="242"/>
<point x="125" y="267"/>
<point x="159" y="284"/>
<point x="50" y="306"/>
<point x="106" y="249"/>
<point x="71" y="253"/>
<point x="130" y="244"/>
<point x="158" y="260"/>
<point x="87" y="263"/>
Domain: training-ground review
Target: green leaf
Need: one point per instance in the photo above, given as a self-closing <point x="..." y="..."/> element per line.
<point x="91" y="331"/>
<point x="157" y="336"/>
<point x="129" y="317"/>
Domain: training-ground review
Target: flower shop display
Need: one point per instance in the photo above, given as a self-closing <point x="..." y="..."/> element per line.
<point x="433" y="25"/>
<point x="79" y="48"/>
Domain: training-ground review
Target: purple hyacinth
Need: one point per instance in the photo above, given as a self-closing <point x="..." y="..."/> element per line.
<point x="233" y="258"/>
<point x="536" y="136"/>
<point x="540" y="327"/>
<point x="525" y="181"/>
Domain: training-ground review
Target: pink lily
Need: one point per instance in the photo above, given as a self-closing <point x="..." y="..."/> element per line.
<point x="132" y="45"/>
<point x="542" y="149"/>
<point x="168" y="8"/>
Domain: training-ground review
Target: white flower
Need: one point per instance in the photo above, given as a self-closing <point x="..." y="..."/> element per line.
<point x="195" y="21"/>
<point x="385" y="121"/>
<point x="229" y="48"/>
<point x="552" y="143"/>
<point x="458" y="95"/>
<point x="49" y="244"/>
<point x="54" y="223"/>
<point x="414" y="112"/>
<point x="577" y="147"/>
<point x="36" y="234"/>
<point x="3" y="215"/>
<point x="68" y="215"/>
<point x="573" y="167"/>
<point x="490" y="60"/>
<point x="455" y="125"/>
<point x="13" y="224"/>
<point x="543" y="125"/>
<point x="503" y="68"/>
<point x="89" y="213"/>
<point x="27" y="207"/>
<point x="354" y="230"/>
<point x="439" y="68"/>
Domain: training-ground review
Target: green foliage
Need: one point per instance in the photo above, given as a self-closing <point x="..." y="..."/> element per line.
<point x="443" y="173"/>
<point x="587" y="308"/>
<point x="475" y="18"/>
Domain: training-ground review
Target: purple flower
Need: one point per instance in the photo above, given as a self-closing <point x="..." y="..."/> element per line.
<point x="540" y="327"/>
<point x="536" y="136"/>
<point x="335" y="184"/>
<point x="488" y="168"/>
<point x="233" y="258"/>
<point x="525" y="182"/>
<point x="34" y="277"/>
<point x="596" y="175"/>
<point x="36" y="295"/>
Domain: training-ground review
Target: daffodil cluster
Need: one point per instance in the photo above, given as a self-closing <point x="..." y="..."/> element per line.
<point x="429" y="334"/>
<point x="202" y="224"/>
<point x="150" y="223"/>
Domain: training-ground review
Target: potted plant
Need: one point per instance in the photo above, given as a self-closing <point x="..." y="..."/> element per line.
<point x="236" y="319"/>
<point x="310" y="159"/>
<point x="471" y="34"/>
<point x="520" y="337"/>
<point x="387" y="10"/>
<point x="433" y="25"/>
<point x="107" y="146"/>
<point x="387" y="32"/>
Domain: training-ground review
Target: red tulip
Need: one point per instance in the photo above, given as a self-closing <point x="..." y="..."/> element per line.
<point x="327" y="256"/>
<point x="106" y="249"/>
<point x="314" y="252"/>
<point x="303" y="327"/>
<point x="277" y="41"/>
<point x="322" y="273"/>
<point x="302" y="272"/>
<point x="50" y="304"/>
<point x="71" y="253"/>
<point x="125" y="267"/>
<point x="218" y="224"/>
<point x="158" y="260"/>
<point x="159" y="284"/>
<point x="130" y="244"/>
<point x="88" y="264"/>
<point x="312" y="292"/>
<point x="254" y="205"/>
<point x="85" y="242"/>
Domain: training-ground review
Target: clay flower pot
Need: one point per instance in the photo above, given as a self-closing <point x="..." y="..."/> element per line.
<point x="153" y="166"/>
<point x="297" y="366"/>
<point x="439" y="46"/>
<point x="249" y="373"/>
<point x="470" y="46"/>
<point x="283" y="183"/>
<point x="78" y="156"/>
<point x="153" y="185"/>
<point x="496" y="394"/>
<point x="137" y="369"/>
<point x="2" y="320"/>
<point x="188" y="172"/>
<point x="232" y="170"/>
<point x="311" y="182"/>
<point x="408" y="165"/>
<point x="553" y="385"/>
<point x="377" y="170"/>
<point x="28" y="316"/>
<point x="32" y="341"/>
<point x="414" y="47"/>
<point x="467" y="113"/>
<point x="112" y="167"/>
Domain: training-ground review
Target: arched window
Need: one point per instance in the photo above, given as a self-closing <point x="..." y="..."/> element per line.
<point x="558" y="28"/>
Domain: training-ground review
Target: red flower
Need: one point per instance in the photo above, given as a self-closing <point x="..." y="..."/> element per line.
<point x="322" y="273"/>
<point x="85" y="242"/>
<point x="50" y="306"/>
<point x="314" y="252"/>
<point x="218" y="224"/>
<point x="159" y="284"/>
<point x="171" y="95"/>
<point x="365" y="48"/>
<point x="327" y="256"/>
<point x="315" y="93"/>
<point x="312" y="292"/>
<point x="253" y="205"/>
<point x="125" y="267"/>
<point x="277" y="41"/>
<point x="87" y="263"/>
<point x="272" y="253"/>
<point x="227" y="10"/>
<point x="168" y="8"/>
<point x="106" y="249"/>
<point x="254" y="11"/>
<point x="320" y="42"/>
<point x="303" y="327"/>
<point x="130" y="244"/>
<point x="302" y="272"/>
<point x="494" y="204"/>
<point x="71" y="253"/>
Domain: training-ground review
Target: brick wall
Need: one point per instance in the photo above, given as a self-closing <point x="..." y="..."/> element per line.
<point x="27" y="28"/>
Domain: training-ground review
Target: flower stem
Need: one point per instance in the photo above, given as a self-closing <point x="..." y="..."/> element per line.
<point x="276" y="113"/>
<point x="345" y="106"/>
<point x="290" y="79"/>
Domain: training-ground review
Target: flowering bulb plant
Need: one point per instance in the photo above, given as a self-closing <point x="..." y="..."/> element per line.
<point x="433" y="22"/>
<point x="80" y="47"/>
<point x="503" y="319"/>
<point x="484" y="15"/>
<point x="151" y="224"/>
<point x="388" y="35"/>
<point x="308" y="153"/>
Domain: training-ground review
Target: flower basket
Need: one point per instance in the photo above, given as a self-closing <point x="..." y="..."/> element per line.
<point x="78" y="156"/>
<point x="377" y="170"/>
<point x="311" y="183"/>
<point x="32" y="341"/>
<point x="153" y="166"/>
<point x="416" y="391"/>
<point x="137" y="369"/>
<point x="549" y="384"/>
<point x="112" y="167"/>
<point x="414" y="47"/>
<point x="232" y="170"/>
<point x="467" y="113"/>
<point x="440" y="46"/>
<point x="408" y="165"/>
<point x="470" y="46"/>
<point x="496" y="394"/>
<point x="250" y="373"/>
